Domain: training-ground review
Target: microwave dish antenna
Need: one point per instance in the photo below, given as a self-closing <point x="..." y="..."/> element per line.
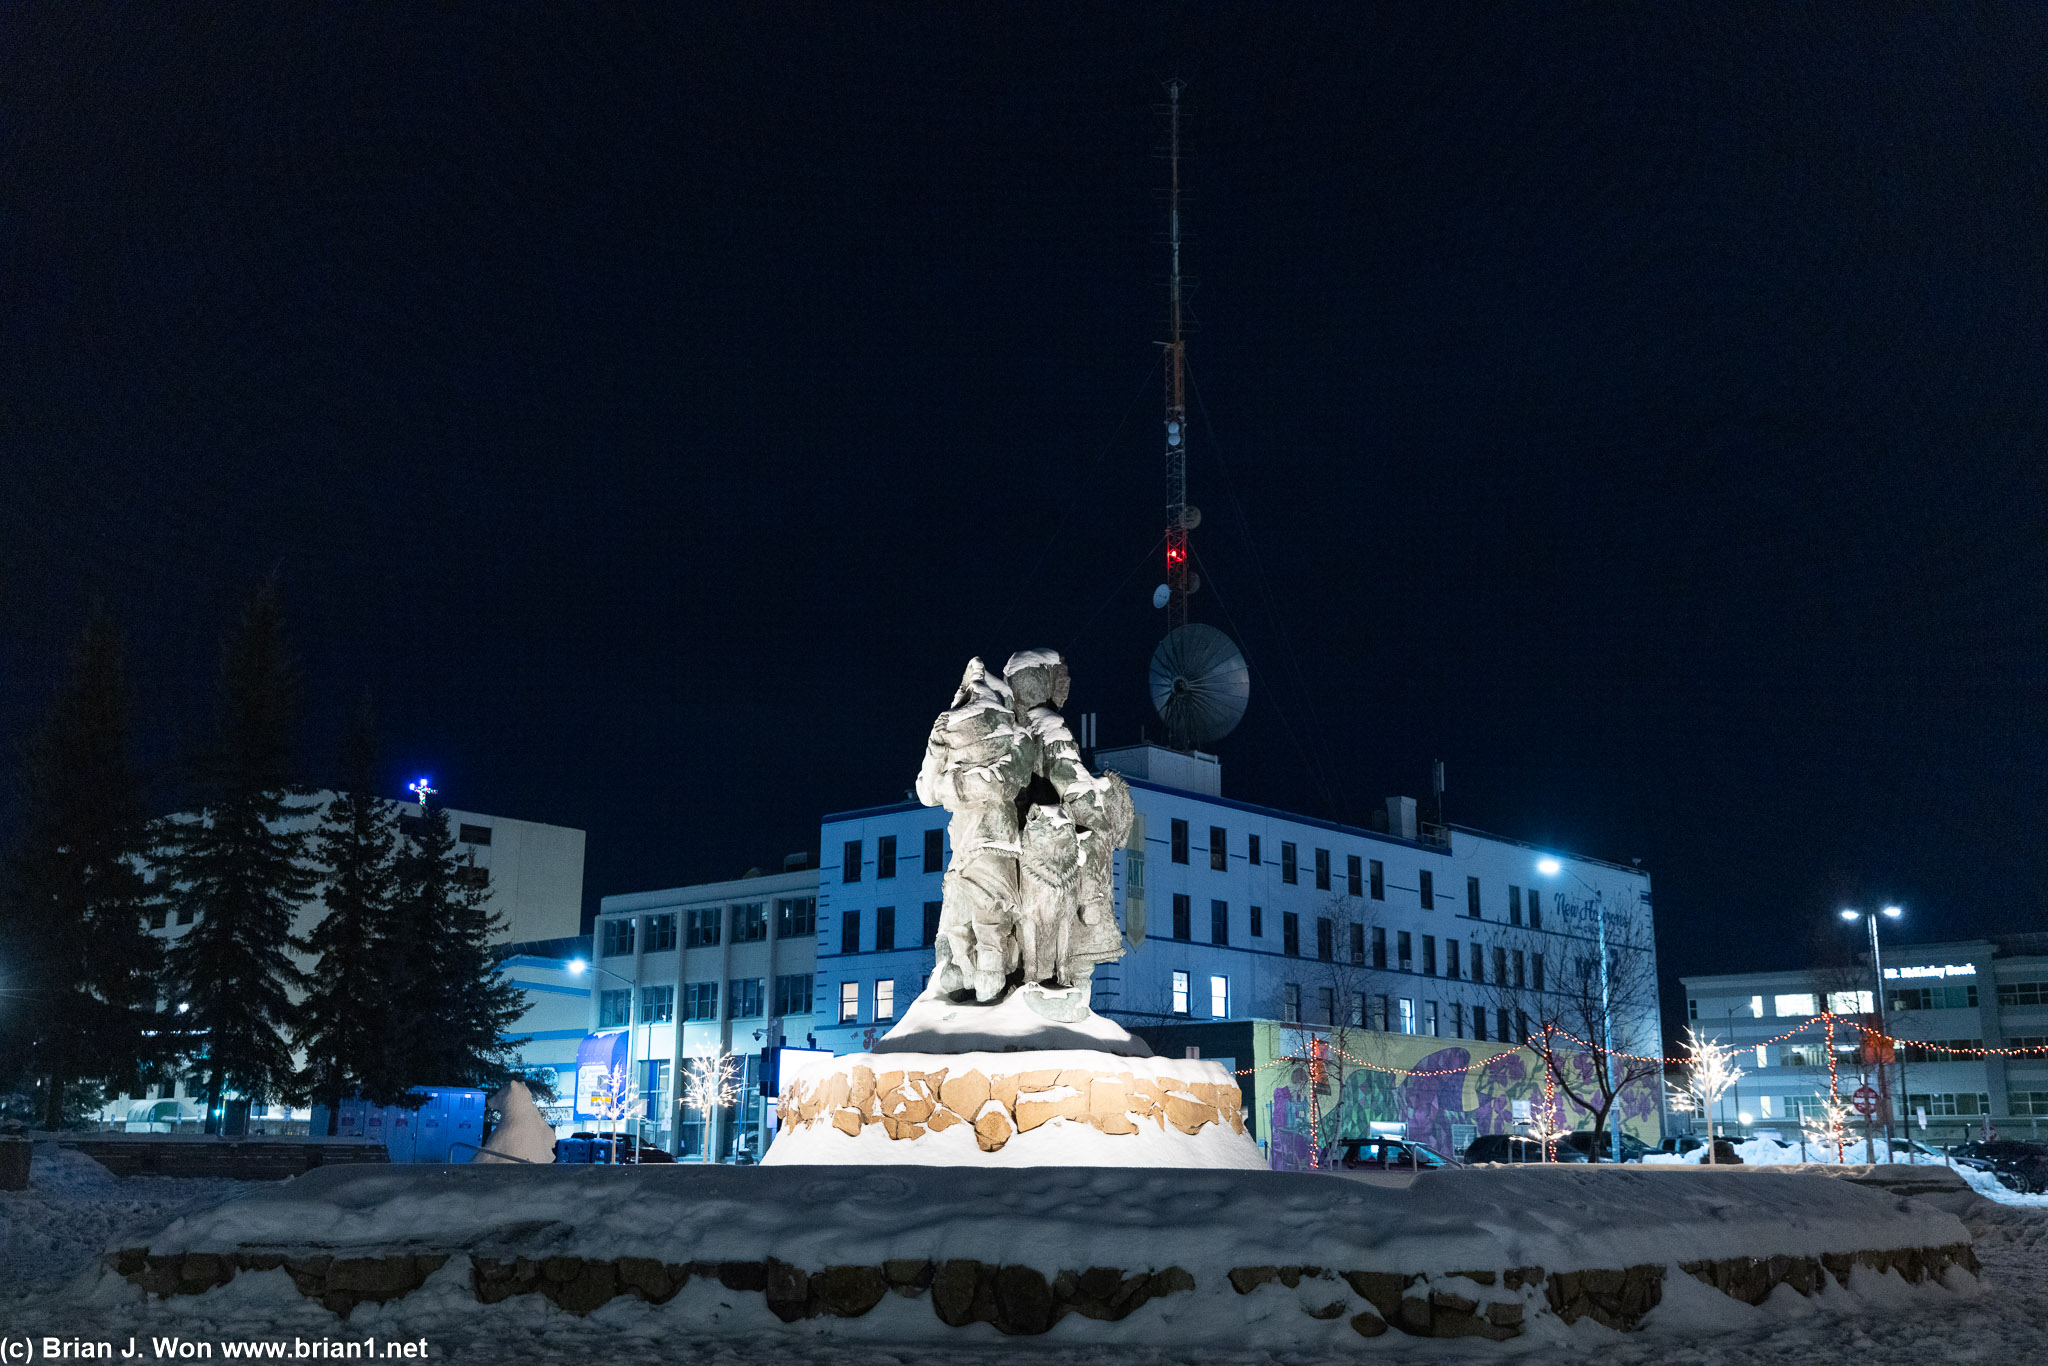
<point x="1200" y="684"/>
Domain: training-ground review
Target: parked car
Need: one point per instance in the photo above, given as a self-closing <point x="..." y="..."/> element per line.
<point x="1385" y="1154"/>
<point x="1632" y="1148"/>
<point x="1517" y="1148"/>
<point x="2022" y="1167"/>
<point x="1724" y="1151"/>
<point x="597" y="1149"/>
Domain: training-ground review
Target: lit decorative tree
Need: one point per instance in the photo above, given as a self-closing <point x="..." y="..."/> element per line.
<point x="1709" y="1071"/>
<point x="616" y="1102"/>
<point x="713" y="1082"/>
<point x="1830" y="1128"/>
<point x="1546" y="1125"/>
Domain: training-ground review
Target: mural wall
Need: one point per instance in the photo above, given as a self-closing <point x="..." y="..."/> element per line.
<point x="1443" y="1111"/>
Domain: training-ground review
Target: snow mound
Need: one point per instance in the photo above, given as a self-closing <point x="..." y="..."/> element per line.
<point x="935" y="1024"/>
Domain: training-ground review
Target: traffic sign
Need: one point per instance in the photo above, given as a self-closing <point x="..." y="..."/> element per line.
<point x="1865" y="1101"/>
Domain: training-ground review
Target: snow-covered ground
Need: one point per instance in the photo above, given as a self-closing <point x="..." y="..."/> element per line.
<point x="51" y="1235"/>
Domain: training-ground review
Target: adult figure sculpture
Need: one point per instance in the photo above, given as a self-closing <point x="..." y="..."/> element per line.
<point x="977" y="760"/>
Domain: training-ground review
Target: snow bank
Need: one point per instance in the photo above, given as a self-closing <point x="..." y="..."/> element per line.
<point x="74" y="1209"/>
<point x="934" y="1024"/>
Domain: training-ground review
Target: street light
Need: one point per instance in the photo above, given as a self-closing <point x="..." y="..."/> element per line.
<point x="1877" y="971"/>
<point x="577" y="967"/>
<point x="1551" y="867"/>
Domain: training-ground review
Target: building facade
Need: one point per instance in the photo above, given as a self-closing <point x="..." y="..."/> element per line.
<point x="721" y="967"/>
<point x="1970" y="1017"/>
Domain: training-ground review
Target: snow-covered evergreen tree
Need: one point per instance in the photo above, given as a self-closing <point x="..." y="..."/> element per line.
<point x="242" y="872"/>
<point x="343" y="1022"/>
<point x="460" y="1010"/>
<point x="78" y="902"/>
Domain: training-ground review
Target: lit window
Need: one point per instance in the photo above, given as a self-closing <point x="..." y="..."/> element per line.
<point x="1407" y="1016"/>
<point x="885" y="999"/>
<point x="849" y="1002"/>
<point x="1761" y="1054"/>
<point x="1756" y="1007"/>
<point x="1764" y="1106"/>
<point x="1850" y="1002"/>
<point x="1794" y="1004"/>
<point x="1219" y="998"/>
<point x="1180" y="993"/>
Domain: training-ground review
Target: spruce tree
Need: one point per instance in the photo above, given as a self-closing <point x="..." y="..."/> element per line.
<point x="462" y="1010"/>
<point x="241" y="867"/>
<point x="78" y="905"/>
<point x="342" y="1020"/>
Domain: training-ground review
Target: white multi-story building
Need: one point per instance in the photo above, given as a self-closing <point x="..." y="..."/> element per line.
<point x="1971" y="1017"/>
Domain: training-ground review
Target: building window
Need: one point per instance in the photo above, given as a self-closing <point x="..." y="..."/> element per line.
<point x="1326" y="1005"/>
<point x="934" y="851"/>
<point x="1379" y="880"/>
<point x="1426" y="889"/>
<point x="1322" y="870"/>
<point x="1795" y="1004"/>
<point x="1846" y="1002"/>
<point x="1407" y="1016"/>
<point x="1478" y="961"/>
<point x="1219" y="998"/>
<point x="1535" y="911"/>
<point x="849" y="932"/>
<point x="2023" y="994"/>
<point x="1931" y="998"/>
<point x="885" y="857"/>
<point x="885" y="999"/>
<point x="1537" y="970"/>
<point x="1429" y="955"/>
<point x="700" y="1000"/>
<point x="1522" y="1028"/>
<point x="473" y="834"/>
<point x="849" y="1002"/>
<point x="1379" y="947"/>
<point x="793" y="994"/>
<point x="1251" y="848"/>
<point x="1180" y="993"/>
<point x="1290" y="934"/>
<point x="1500" y="1019"/>
<point x="1514" y="905"/>
<point x="618" y="938"/>
<point x="613" y="1008"/>
<point x="1258" y="923"/>
<point x="1326" y="939"/>
<point x="1521" y="979"/>
<point x="2026" y="1102"/>
<point x="1183" y="913"/>
<point x="1479" y="1024"/>
<point x="1290" y="1003"/>
<point x="1288" y="872"/>
<point x="932" y="910"/>
<point x="1357" y="937"/>
<point x="1354" y="875"/>
<point x="1472" y="897"/>
<point x="796" y="917"/>
<point x="1950" y="1103"/>
<point x="701" y="926"/>
<point x="1756" y="1007"/>
<point x="1219" y="849"/>
<point x="661" y="933"/>
<point x="1405" y="953"/>
<point x="1429" y="1025"/>
<point x="1219" y="922"/>
<point x="1354" y="1010"/>
<point x="657" y="1005"/>
<point x="885" y="930"/>
<point x="1692" y="1008"/>
<point x="1500" y="967"/>
<point x="1180" y="841"/>
<point x="849" y="862"/>
<point x="1451" y="959"/>
<point x="750" y="923"/>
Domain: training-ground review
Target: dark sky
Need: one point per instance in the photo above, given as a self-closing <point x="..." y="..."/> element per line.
<point x="1639" y="408"/>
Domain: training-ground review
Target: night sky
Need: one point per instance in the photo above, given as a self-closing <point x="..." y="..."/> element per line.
<point x="1640" y="409"/>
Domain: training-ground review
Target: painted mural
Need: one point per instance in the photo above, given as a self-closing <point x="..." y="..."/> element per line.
<point x="1444" y="1111"/>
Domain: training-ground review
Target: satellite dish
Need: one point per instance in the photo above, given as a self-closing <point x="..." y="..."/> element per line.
<point x="1173" y="433"/>
<point x="1190" y="516"/>
<point x="1161" y="595"/>
<point x="1200" y="684"/>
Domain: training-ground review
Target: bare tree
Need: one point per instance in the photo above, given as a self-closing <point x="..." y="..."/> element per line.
<point x="1583" y="1026"/>
<point x="1336" y="1022"/>
<point x="1709" y="1071"/>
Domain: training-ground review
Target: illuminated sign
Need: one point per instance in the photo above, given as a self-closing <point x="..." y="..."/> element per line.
<point x="1943" y="970"/>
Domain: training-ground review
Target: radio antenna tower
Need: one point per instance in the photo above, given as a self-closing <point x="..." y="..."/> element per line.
<point x="1199" y="681"/>
<point x="1177" y="520"/>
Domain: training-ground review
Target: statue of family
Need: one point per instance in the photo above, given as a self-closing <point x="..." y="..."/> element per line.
<point x="1028" y="895"/>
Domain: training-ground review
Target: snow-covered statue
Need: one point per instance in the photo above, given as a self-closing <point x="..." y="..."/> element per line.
<point x="1027" y="897"/>
<point x="977" y="761"/>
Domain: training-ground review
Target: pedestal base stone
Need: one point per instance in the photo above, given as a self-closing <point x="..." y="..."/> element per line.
<point x="1038" y="1108"/>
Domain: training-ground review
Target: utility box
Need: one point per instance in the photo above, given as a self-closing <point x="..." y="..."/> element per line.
<point x="449" y="1127"/>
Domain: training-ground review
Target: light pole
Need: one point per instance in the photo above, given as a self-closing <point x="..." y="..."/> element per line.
<point x="1551" y="867"/>
<point x="577" y="966"/>
<point x="1877" y="971"/>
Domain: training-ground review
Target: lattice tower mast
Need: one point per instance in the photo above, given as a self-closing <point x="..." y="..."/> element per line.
<point x="1176" y="391"/>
